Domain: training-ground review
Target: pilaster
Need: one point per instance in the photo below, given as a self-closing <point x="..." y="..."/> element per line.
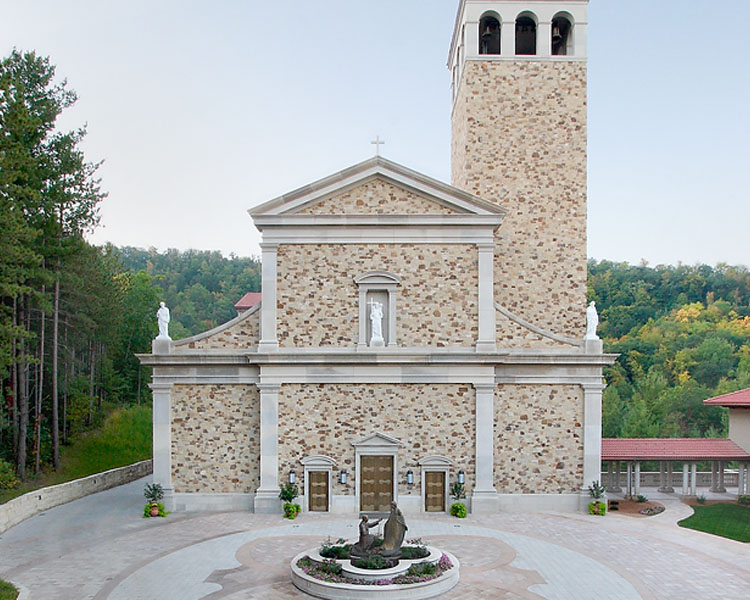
<point x="268" y="340"/>
<point x="486" y="341"/>
<point x="592" y="433"/>
<point x="162" y="440"/>
<point x="484" y="498"/>
<point x="267" y="495"/>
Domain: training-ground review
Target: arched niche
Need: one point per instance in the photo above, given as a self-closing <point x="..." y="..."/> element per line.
<point x="526" y="26"/>
<point x="489" y="33"/>
<point x="562" y="35"/>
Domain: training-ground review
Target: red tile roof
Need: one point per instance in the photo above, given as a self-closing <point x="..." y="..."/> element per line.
<point x="671" y="449"/>
<point x="248" y="301"/>
<point x="741" y="398"/>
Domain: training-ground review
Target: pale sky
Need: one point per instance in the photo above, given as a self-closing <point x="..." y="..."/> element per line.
<point x="202" y="110"/>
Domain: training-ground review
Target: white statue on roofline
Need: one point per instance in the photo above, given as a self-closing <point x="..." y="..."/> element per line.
<point x="592" y="322"/>
<point x="162" y="317"/>
<point x="376" y="321"/>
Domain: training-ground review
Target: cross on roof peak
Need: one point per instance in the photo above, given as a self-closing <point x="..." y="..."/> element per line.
<point x="378" y="142"/>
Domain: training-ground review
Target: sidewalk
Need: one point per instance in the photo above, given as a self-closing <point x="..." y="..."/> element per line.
<point x="100" y="548"/>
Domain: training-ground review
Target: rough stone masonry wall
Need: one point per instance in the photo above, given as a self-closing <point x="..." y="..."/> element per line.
<point x="326" y="418"/>
<point x="243" y="334"/>
<point x="377" y="197"/>
<point x="215" y="438"/>
<point x="519" y="139"/>
<point x="538" y="439"/>
<point x="318" y="301"/>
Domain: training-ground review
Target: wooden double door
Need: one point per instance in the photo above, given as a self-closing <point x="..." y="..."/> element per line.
<point x="434" y="492"/>
<point x="318" y="490"/>
<point x="375" y="483"/>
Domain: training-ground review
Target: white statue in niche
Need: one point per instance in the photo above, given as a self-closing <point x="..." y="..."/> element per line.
<point x="376" y="321"/>
<point x="162" y="317"/>
<point x="592" y="322"/>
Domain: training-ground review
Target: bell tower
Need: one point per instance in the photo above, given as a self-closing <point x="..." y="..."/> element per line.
<point x="519" y="139"/>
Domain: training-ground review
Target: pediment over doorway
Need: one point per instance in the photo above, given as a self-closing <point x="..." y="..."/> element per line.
<point x="377" y="440"/>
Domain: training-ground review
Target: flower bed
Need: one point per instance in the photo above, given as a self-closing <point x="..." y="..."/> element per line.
<point x="417" y="573"/>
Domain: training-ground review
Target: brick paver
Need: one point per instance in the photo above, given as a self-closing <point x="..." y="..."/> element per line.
<point x="99" y="548"/>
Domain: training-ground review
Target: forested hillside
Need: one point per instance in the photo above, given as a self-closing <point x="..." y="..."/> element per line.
<point x="200" y="288"/>
<point x="683" y="334"/>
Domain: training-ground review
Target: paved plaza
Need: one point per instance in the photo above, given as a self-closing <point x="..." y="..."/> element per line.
<point x="99" y="547"/>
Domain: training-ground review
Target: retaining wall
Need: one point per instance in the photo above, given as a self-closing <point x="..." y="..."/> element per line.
<point x="21" y="508"/>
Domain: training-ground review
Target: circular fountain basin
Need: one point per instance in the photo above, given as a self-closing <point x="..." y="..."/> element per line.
<point x="349" y="591"/>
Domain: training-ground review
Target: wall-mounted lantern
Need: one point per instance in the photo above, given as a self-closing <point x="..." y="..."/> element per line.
<point x="292" y="476"/>
<point x="342" y="476"/>
<point x="410" y="477"/>
<point x="461" y="477"/>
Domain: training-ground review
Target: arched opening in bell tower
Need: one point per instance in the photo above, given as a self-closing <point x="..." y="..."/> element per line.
<point x="526" y="34"/>
<point x="562" y="35"/>
<point x="489" y="34"/>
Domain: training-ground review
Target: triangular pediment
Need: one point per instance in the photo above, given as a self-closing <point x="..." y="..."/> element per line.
<point x="377" y="439"/>
<point x="376" y="187"/>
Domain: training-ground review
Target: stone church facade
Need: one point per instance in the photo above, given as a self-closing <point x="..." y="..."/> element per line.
<point x="482" y="374"/>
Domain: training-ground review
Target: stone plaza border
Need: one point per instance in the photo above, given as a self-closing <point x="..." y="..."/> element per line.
<point x="19" y="509"/>
<point x="348" y="591"/>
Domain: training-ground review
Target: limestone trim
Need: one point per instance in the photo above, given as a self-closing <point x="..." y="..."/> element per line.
<point x="223" y="327"/>
<point x="162" y="439"/>
<point x="268" y="340"/>
<point x="486" y="299"/>
<point x="538" y="330"/>
<point x="317" y="463"/>
<point x="592" y="432"/>
<point x="377" y="281"/>
<point x="378" y="444"/>
<point x="432" y="189"/>
<point x="432" y="464"/>
<point x="266" y="498"/>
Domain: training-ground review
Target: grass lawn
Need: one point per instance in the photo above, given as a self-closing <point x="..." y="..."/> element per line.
<point x="123" y="439"/>
<point x="727" y="520"/>
<point x="7" y="591"/>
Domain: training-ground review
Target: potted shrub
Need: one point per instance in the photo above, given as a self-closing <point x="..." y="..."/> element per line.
<point x="597" y="491"/>
<point x="154" y="492"/>
<point x="289" y="491"/>
<point x="458" y="509"/>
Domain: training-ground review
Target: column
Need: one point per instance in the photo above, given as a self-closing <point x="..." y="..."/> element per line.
<point x="484" y="496"/>
<point x="721" y="489"/>
<point x="268" y="341"/>
<point x="617" y="487"/>
<point x="267" y="495"/>
<point x="637" y="478"/>
<point x="508" y="38"/>
<point x="471" y="39"/>
<point x="662" y="474"/>
<point x="685" y="480"/>
<point x="486" y="341"/>
<point x="629" y="486"/>
<point x="714" y="479"/>
<point x="592" y="433"/>
<point x="610" y="475"/>
<point x="669" y="489"/>
<point x="693" y="478"/>
<point x="544" y="38"/>
<point x="162" y="439"/>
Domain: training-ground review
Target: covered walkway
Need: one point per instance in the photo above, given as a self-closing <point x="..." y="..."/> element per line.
<point x="678" y="460"/>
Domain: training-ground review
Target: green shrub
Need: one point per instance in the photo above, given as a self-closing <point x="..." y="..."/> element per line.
<point x="147" y="509"/>
<point x="291" y="510"/>
<point x="414" y="552"/>
<point x="744" y="499"/>
<point x="457" y="491"/>
<point x="422" y="569"/>
<point x="374" y="562"/>
<point x="597" y="490"/>
<point x="7" y="591"/>
<point x="458" y="509"/>
<point x="153" y="492"/>
<point x="8" y="479"/>
<point x="330" y="567"/>
<point x="597" y="508"/>
<point x="340" y="552"/>
<point x="701" y="499"/>
<point x="641" y="498"/>
<point x="289" y="491"/>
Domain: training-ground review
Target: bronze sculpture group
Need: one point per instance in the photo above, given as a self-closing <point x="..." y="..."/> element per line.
<point x="393" y="536"/>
